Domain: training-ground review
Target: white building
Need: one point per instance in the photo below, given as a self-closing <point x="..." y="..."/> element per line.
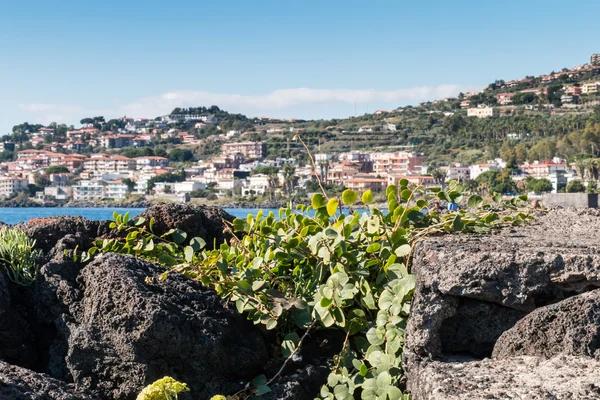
<point x="87" y="190"/>
<point x="458" y="172"/>
<point x="116" y="189"/>
<point x="12" y="185"/>
<point x="478" y="169"/>
<point x="256" y="185"/>
<point x="188" y="186"/>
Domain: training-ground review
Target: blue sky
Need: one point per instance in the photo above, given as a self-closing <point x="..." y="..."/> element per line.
<point x="65" y="60"/>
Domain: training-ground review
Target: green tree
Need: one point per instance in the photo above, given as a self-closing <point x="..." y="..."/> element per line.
<point x="130" y="185"/>
<point x="539" y="186"/>
<point x="179" y="154"/>
<point x="57" y="169"/>
<point x="575" y="186"/>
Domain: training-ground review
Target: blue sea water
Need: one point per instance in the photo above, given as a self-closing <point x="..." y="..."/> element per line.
<point x="15" y="215"/>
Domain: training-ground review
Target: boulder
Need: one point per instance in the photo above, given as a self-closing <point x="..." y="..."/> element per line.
<point x="196" y="220"/>
<point x="48" y="231"/>
<point x="571" y="326"/>
<point x="18" y="383"/>
<point x="16" y="338"/>
<point x="510" y="293"/>
<point x="516" y="271"/>
<point x="561" y="377"/>
<point x="117" y="328"/>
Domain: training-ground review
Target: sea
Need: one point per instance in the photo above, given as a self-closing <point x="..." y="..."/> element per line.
<point x="13" y="216"/>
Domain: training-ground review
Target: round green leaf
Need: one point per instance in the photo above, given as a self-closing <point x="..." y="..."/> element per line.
<point x="367" y="197"/>
<point x="349" y="197"/>
<point x="332" y="206"/>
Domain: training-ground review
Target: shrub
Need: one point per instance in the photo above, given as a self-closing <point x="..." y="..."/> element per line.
<point x="166" y="388"/>
<point x="17" y="256"/>
<point x="322" y="268"/>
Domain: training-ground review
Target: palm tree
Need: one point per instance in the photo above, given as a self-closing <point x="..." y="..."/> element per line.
<point x="289" y="178"/>
<point x="273" y="182"/>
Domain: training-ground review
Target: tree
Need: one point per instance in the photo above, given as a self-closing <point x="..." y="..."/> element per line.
<point x="57" y="169"/>
<point x="179" y="154"/>
<point x="575" y="186"/>
<point x="438" y="175"/>
<point x="539" y="186"/>
<point x="289" y="178"/>
<point x="130" y="185"/>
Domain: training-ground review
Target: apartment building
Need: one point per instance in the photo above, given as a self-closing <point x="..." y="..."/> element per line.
<point x="483" y="112"/>
<point x="340" y="174"/>
<point x="458" y="172"/>
<point x="595" y="59"/>
<point x="151" y="161"/>
<point x="11" y="185"/>
<point x="101" y="163"/>
<point x="362" y="183"/>
<point x="589" y="88"/>
<point x="115" y="189"/>
<point x="88" y="190"/>
<point x="543" y="168"/>
<point x="250" y="150"/>
<point x="399" y="162"/>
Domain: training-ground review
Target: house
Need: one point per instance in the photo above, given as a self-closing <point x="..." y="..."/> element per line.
<point x="151" y="161"/>
<point x="388" y="127"/>
<point x="11" y="185"/>
<point x="367" y="182"/>
<point x="504" y="98"/>
<point x="417" y="180"/>
<point x="573" y="90"/>
<point x="401" y="162"/>
<point x="589" y="88"/>
<point x="250" y="150"/>
<point x="484" y="112"/>
<point x="55" y="193"/>
<point x="256" y="185"/>
<point x="366" y="128"/>
<point x="465" y="104"/>
<point x="478" y="169"/>
<point x="569" y="99"/>
<point x="543" y="168"/>
<point x="188" y="186"/>
<point x="340" y="174"/>
<point x="458" y="172"/>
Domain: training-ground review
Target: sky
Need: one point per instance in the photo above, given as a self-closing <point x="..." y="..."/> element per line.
<point x="61" y="61"/>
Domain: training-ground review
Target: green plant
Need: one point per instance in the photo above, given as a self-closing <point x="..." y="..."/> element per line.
<point x="17" y="256"/>
<point x="319" y="267"/>
<point x="138" y="239"/>
<point x="165" y="388"/>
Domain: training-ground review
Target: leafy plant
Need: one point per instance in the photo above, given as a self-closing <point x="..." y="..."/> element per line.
<point x="165" y="388"/>
<point x="138" y="239"/>
<point x="17" y="256"/>
<point x="321" y="267"/>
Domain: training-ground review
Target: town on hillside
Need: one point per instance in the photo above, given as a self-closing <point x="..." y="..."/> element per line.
<point x="527" y="135"/>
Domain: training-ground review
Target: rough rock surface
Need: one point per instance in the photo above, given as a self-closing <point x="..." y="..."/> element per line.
<point x="196" y="220"/>
<point x="571" y="327"/>
<point x="562" y="377"/>
<point x="16" y="338"/>
<point x="522" y="269"/>
<point x="122" y="329"/>
<point x="48" y="231"/>
<point x="521" y="285"/>
<point x="18" y="383"/>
